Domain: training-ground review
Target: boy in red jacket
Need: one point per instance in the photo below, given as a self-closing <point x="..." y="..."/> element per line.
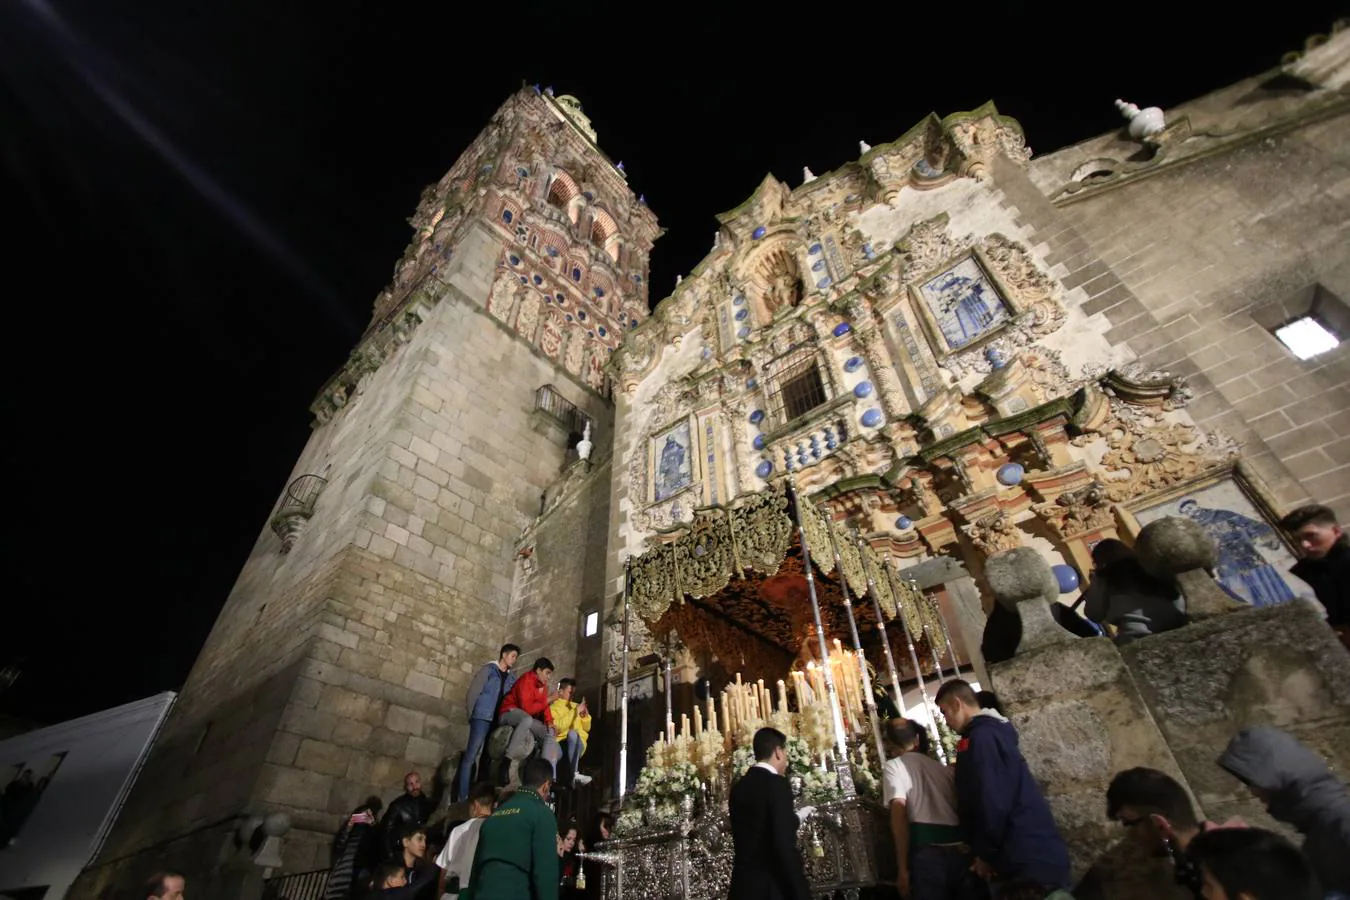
<point x="525" y="708"/>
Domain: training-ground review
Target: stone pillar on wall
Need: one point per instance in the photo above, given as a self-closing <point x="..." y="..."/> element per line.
<point x="1081" y="718"/>
<point x="969" y="617"/>
<point x="1274" y="665"/>
<point x="1079" y="715"/>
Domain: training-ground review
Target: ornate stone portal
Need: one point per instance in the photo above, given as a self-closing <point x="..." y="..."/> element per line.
<point x="892" y="335"/>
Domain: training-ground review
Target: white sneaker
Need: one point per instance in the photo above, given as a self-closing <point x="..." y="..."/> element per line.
<point x="580" y="779"/>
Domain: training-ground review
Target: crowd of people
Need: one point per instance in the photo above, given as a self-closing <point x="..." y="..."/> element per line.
<point x="979" y="829"/>
<point x="509" y="845"/>
<point x="982" y="830"/>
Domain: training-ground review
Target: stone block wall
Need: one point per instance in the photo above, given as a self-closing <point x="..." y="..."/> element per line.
<point x="1080" y="720"/>
<point x="1276" y="665"/>
<point x="1194" y="265"/>
<point x="334" y="669"/>
<point x="563" y="580"/>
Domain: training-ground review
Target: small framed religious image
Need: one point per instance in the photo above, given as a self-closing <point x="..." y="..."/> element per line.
<point x="1253" y="558"/>
<point x="673" y="460"/>
<point x="961" y="304"/>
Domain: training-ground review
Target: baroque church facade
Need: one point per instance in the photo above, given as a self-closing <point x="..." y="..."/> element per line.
<point x="951" y="348"/>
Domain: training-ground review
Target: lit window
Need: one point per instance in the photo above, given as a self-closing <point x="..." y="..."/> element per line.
<point x="1306" y="337"/>
<point x="592" y="624"/>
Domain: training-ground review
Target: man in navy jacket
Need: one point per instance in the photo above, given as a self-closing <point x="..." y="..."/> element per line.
<point x="1008" y="823"/>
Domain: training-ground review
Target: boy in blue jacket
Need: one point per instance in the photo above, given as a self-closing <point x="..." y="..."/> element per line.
<point x="1008" y="822"/>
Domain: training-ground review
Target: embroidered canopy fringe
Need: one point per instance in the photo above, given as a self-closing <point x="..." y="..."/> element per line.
<point x="755" y="533"/>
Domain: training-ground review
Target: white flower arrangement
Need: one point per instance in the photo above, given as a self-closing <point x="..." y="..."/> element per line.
<point x="799" y="756"/>
<point x="742" y="758"/>
<point x="820" y="786"/>
<point x="628" y="820"/>
<point x="816" y="727"/>
<point x="865" y="767"/>
<point x="707" y="755"/>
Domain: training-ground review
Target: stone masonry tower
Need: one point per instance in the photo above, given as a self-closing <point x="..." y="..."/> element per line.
<point x="439" y="509"/>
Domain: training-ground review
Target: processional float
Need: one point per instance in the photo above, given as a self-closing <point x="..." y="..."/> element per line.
<point x="672" y="835"/>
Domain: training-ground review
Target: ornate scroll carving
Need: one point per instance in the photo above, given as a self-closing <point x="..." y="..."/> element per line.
<point x="1075" y="512"/>
<point x="993" y="532"/>
<point x="1152" y="457"/>
<point x="927" y="246"/>
<point x="883" y="372"/>
<point x="921" y="490"/>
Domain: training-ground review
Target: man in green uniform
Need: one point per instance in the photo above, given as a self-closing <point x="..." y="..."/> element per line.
<point x="517" y="856"/>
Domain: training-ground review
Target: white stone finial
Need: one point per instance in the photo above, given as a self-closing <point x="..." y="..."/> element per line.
<point x="807" y="175"/>
<point x="678" y="279"/>
<point x="584" y="446"/>
<point x="717" y="239"/>
<point x="1143" y="122"/>
<point x="863" y="147"/>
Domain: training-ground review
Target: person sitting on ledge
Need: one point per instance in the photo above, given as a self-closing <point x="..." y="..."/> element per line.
<point x="1324" y="562"/>
<point x="1123" y="595"/>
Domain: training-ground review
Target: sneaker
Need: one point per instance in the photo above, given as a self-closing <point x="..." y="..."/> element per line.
<point x="580" y="779"/>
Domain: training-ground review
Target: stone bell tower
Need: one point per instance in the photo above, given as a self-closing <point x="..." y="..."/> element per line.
<point x="439" y="509"/>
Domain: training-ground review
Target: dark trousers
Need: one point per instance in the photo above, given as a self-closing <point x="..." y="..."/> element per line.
<point x="942" y="872"/>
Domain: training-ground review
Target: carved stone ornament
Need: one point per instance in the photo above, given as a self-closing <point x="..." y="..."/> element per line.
<point x="993" y="533"/>
<point x="1075" y="512"/>
<point x="640" y="644"/>
<point x="928" y="245"/>
<point x="1145" y="452"/>
<point x="377" y="347"/>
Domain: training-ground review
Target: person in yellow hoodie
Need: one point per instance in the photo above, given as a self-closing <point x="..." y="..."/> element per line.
<point x="572" y="723"/>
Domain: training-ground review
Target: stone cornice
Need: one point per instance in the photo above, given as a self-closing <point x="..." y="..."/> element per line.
<point x="1166" y="159"/>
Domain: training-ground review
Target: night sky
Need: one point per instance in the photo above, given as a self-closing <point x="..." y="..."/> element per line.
<point x="203" y="199"/>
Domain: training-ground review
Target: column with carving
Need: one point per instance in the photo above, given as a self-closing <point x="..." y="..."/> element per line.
<point x="734" y="415"/>
<point x="878" y="361"/>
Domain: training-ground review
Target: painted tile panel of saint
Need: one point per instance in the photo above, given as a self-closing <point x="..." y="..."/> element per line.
<point x="1253" y="562"/>
<point x="965" y="303"/>
<point x="674" y="463"/>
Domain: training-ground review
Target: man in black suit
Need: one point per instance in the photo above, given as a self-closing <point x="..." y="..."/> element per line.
<point x="764" y="828"/>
